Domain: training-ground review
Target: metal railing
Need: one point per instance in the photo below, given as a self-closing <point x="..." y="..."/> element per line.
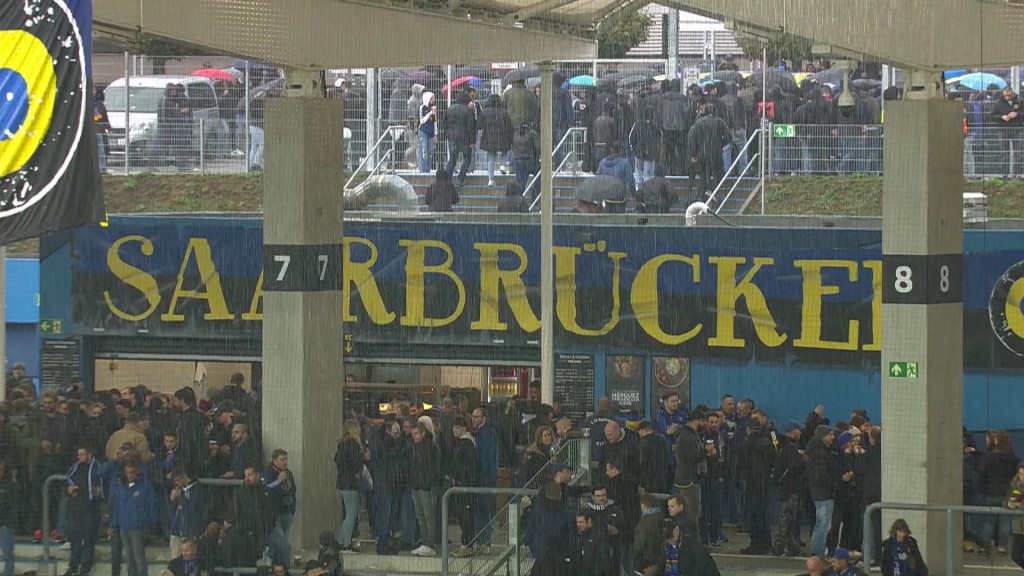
<point x="571" y="133"/>
<point x="372" y="153"/>
<point x="491" y="564"/>
<point x="732" y="167"/>
<point x="949" y="509"/>
<point x="51" y="480"/>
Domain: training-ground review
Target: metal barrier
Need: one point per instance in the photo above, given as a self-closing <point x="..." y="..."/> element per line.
<point x="371" y="154"/>
<point x="62" y="478"/>
<point x="513" y="525"/>
<point x="949" y="509"/>
<point x="570" y="136"/>
<point x="754" y="137"/>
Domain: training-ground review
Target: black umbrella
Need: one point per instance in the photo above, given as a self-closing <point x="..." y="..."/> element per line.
<point x="726" y="76"/>
<point x="479" y="70"/>
<point x="605" y="191"/>
<point x="778" y="78"/>
<point x="866" y="84"/>
<point x="830" y="76"/>
<point x="523" y="73"/>
<point x="633" y="82"/>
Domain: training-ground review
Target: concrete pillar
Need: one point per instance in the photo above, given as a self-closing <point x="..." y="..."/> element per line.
<point x="547" y="210"/>
<point x="302" y="327"/>
<point x="922" y="313"/>
<point x="673" y="44"/>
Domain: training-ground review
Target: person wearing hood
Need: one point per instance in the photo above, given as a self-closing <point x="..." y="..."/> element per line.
<point x="656" y="196"/>
<point x="708" y="135"/>
<point x="426" y="133"/>
<point x="822" y="479"/>
<point x="562" y="115"/>
<point x="645" y="137"/>
<point x="812" y="117"/>
<point x="513" y="202"/>
<point x="521" y="103"/>
<point x="617" y="166"/>
<point x="328" y="557"/>
<point x="460" y="135"/>
<point x="649" y="539"/>
<point x="463" y="469"/>
<point x="441" y="194"/>
<point x="496" y="133"/>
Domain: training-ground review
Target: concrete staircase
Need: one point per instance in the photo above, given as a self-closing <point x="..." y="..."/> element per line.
<point x="477" y="197"/>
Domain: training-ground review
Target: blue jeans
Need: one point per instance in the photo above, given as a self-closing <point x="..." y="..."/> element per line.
<point x="524" y="168"/>
<point x="280" y="549"/>
<point x="255" y="147"/>
<point x="101" y="151"/>
<point x="350" y="503"/>
<point x="492" y="163"/>
<point x="116" y="553"/>
<point x="384" y="502"/>
<point x="135" y="549"/>
<point x="992" y="522"/>
<point x="424" y="151"/>
<point x="822" y="524"/>
<point x="454" y="150"/>
<point x="7" y="547"/>
<point x="644" y="171"/>
<point x="407" y="519"/>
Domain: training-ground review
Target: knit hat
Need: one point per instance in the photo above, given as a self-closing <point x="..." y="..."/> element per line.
<point x="846" y="437"/>
<point x="790" y="426"/>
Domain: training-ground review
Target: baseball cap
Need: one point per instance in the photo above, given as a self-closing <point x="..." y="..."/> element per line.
<point x="841" y="554"/>
<point x="790" y="426"/>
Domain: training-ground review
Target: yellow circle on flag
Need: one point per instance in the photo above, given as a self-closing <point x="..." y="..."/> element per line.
<point x="26" y="55"/>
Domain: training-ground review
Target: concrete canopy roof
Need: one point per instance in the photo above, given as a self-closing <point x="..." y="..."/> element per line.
<point x="922" y="34"/>
<point x="341" y="34"/>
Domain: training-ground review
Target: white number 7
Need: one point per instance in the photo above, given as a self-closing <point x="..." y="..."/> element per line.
<point x="285" y="260"/>
<point x="323" y="266"/>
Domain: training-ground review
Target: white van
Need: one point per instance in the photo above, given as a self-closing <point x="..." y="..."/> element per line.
<point x="145" y="94"/>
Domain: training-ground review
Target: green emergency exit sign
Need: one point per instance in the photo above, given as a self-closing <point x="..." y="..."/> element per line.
<point x="784" y="130"/>
<point x="903" y="369"/>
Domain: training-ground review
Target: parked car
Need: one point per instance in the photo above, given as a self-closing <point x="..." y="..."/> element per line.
<point x="138" y="106"/>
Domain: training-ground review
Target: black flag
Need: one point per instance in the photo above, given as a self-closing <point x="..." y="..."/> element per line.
<point x="49" y="174"/>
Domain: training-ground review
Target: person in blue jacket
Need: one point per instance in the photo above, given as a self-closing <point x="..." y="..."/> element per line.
<point x="133" y="509"/>
<point x="188" y="509"/>
<point x="487" y="443"/>
<point x="617" y="166"/>
<point x="671" y="419"/>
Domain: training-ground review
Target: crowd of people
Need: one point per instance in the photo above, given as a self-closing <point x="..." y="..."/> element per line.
<point x="142" y="467"/>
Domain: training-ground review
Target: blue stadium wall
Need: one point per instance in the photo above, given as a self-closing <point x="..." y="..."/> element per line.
<point x="788" y="317"/>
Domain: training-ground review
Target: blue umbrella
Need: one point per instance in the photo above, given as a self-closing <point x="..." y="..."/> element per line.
<point x="954" y="74"/>
<point x="584" y="80"/>
<point x="978" y="81"/>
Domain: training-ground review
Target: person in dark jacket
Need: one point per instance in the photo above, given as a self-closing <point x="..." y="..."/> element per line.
<point x="349" y="460"/>
<point x="513" y="202"/>
<point x="591" y="555"/>
<point x="656" y="196"/>
<point x="624" y="490"/>
<point x="255" y="519"/>
<point x="9" y="504"/>
<point x="425" y="464"/>
<point x="788" y="474"/>
<point x="244" y="452"/>
<point x="191" y="431"/>
<point x="648" y="550"/>
<point x="329" y="555"/>
<point x="487" y="447"/>
<point x="997" y="467"/>
<point x="174" y="124"/>
<point x="187" y="563"/>
<point x="133" y="509"/>
<point x="388" y="468"/>
<point x="188" y="509"/>
<point x="645" y="137"/>
<point x="282" y="490"/>
<point x="441" y="194"/>
<point x="758" y="456"/>
<point x="871" y="484"/>
<point x="691" y="454"/>
<point x="102" y="123"/>
<point x="85" y="496"/>
<point x="460" y="133"/>
<point x="822" y="478"/>
<point x="677" y="116"/>
<point x="548" y="532"/>
<point x="654" y="450"/>
<point x="496" y="133"/>
<point x="608" y="517"/>
<point x="901" y="556"/>
<point x="463" y="468"/>
<point x="708" y="135"/>
<point x="1009" y="118"/>
<point x="526" y="153"/>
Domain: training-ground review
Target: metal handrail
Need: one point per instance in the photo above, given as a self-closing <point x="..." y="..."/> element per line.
<point x="446" y="498"/>
<point x="557" y="147"/>
<point x="732" y="166"/>
<point x="949" y="509"/>
<point x="50" y="480"/>
<point x="553" y="173"/>
<point x="371" y="153"/>
<point x="739" y="178"/>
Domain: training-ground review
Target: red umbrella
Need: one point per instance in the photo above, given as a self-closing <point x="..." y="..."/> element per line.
<point x="471" y="80"/>
<point x="215" y="74"/>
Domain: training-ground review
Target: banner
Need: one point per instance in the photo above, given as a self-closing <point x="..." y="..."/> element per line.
<point x="773" y="295"/>
<point x="49" y="174"/>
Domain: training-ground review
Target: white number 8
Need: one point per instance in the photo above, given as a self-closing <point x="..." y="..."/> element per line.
<point x="903" y="283"/>
<point x="944" y="278"/>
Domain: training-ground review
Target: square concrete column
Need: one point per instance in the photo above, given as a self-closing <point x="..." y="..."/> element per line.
<point x="922" y="314"/>
<point x="303" y="371"/>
